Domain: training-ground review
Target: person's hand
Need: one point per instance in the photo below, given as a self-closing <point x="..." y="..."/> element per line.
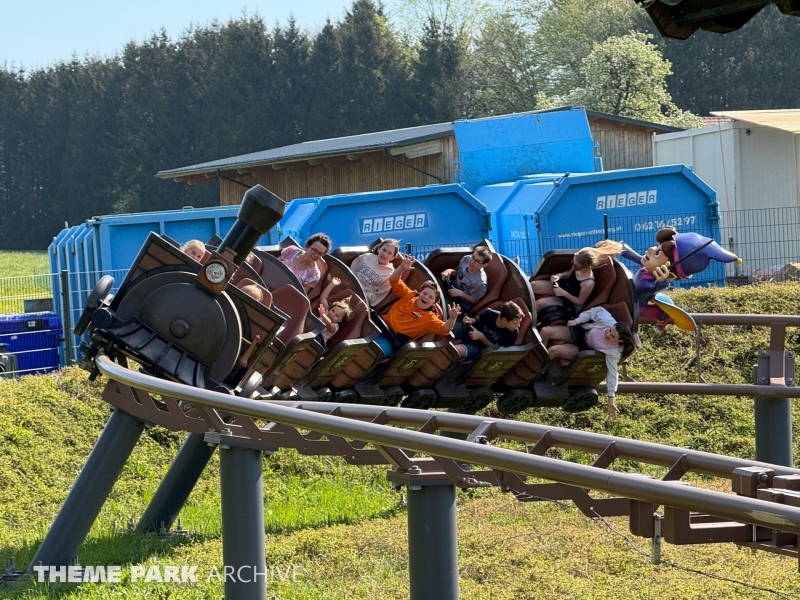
<point x="469" y="320"/>
<point x="613" y="411"/>
<point x="558" y="291"/>
<point x="661" y="273"/>
<point x="336" y="281"/>
<point x="475" y="334"/>
<point x="321" y="310"/>
<point x="554" y="278"/>
<point x="408" y="262"/>
<point x="456" y="293"/>
<point x="454" y="310"/>
<point x="571" y="323"/>
<point x="446" y="274"/>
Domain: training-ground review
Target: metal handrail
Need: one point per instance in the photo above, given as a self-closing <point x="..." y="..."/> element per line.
<point x="669" y="493"/>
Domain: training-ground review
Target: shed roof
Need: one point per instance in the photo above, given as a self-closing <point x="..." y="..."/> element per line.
<point x="366" y="142"/>
<point x="785" y="120"/>
<point x="318" y="148"/>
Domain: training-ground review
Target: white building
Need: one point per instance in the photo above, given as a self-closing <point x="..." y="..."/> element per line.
<point x="752" y="162"/>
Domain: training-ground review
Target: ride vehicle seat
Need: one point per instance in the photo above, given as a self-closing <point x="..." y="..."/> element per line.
<point x="352" y="329"/>
<point x="266" y="296"/>
<point x="496" y="274"/>
<point x="295" y="304"/>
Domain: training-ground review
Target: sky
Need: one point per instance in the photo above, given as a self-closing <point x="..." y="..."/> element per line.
<point x="36" y="33"/>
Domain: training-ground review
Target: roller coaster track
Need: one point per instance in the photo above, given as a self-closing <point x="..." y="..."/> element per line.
<point x="763" y="512"/>
<point x="373" y="425"/>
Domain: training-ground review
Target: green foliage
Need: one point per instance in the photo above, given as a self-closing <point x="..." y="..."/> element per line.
<point x="510" y="66"/>
<point x="19" y="264"/>
<point x="741" y="70"/>
<point x="626" y="76"/>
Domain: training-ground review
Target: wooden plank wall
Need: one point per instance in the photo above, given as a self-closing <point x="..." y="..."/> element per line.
<point x="622" y="145"/>
<point x="373" y="174"/>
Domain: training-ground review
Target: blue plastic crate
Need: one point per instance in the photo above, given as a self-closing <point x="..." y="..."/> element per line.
<point x="34" y="340"/>
<point x="32" y="362"/>
<point x="23" y="341"/>
<point x="39" y="321"/>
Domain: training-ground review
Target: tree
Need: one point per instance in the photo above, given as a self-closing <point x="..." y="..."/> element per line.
<point x="510" y="68"/>
<point x="376" y="71"/>
<point x="463" y="18"/>
<point x="753" y="68"/>
<point x="626" y="76"/>
<point x="437" y="80"/>
<point x="566" y="31"/>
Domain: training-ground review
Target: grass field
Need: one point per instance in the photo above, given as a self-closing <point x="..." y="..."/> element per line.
<point x="23" y="276"/>
<point x="343" y="528"/>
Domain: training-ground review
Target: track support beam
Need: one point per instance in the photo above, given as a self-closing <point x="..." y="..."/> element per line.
<point x="87" y="496"/>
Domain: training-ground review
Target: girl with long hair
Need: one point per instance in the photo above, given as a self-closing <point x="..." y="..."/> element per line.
<point x="565" y="294"/>
<point x="593" y="329"/>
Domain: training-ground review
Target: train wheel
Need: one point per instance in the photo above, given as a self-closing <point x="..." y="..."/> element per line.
<point x="392" y="396"/>
<point x="93" y="302"/>
<point x="478" y="398"/>
<point x="515" y="401"/>
<point x="345" y="397"/>
<point x="251" y="385"/>
<point x="421" y="399"/>
<point x="580" y="399"/>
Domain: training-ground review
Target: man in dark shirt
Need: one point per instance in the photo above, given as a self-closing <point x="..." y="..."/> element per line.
<point x="491" y="329"/>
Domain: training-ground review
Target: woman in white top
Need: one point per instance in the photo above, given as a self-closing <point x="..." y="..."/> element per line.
<point x="373" y="270"/>
<point x="593" y="329"/>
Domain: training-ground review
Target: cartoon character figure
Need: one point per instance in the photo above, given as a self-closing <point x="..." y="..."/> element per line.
<point x="677" y="256"/>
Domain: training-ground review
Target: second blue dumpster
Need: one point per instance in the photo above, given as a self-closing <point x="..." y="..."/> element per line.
<point x="426" y="217"/>
<point x="561" y="211"/>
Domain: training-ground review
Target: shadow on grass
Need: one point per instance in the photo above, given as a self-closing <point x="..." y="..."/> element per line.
<point x="121" y="549"/>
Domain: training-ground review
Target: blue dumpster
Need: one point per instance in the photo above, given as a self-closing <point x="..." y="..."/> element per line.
<point x="426" y="217"/>
<point x="561" y="211"/>
<point x="499" y="149"/>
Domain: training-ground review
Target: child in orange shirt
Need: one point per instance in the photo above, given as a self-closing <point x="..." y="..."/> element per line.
<point x="415" y="314"/>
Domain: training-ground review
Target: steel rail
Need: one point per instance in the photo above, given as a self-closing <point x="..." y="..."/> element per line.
<point x="703" y="463"/>
<point x="728" y="506"/>
<point x="757" y="320"/>
<point x="707" y="389"/>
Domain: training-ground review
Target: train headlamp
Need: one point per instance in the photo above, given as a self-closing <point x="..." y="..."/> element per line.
<point x="215" y="273"/>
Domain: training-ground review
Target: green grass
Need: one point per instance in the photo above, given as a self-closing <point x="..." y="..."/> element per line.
<point x="342" y="526"/>
<point x="15" y="264"/>
<point x="23" y="276"/>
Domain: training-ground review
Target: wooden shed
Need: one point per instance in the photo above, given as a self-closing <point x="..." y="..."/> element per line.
<point x="385" y="160"/>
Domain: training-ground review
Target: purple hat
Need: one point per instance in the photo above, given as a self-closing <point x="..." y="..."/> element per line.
<point x="693" y="253"/>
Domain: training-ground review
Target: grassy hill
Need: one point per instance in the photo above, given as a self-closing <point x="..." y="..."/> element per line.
<point x="343" y="528"/>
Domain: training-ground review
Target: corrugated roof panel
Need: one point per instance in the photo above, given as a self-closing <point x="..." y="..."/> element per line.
<point x="305" y="150"/>
<point x="785" y="120"/>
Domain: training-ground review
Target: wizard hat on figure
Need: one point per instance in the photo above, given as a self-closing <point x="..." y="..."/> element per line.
<point x="692" y="252"/>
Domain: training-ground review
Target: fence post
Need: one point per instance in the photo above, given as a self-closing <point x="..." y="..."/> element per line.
<point x="67" y="316"/>
<point x="773" y="416"/>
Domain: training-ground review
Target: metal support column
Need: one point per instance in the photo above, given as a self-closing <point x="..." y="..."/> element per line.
<point x="178" y="483"/>
<point x="243" y="541"/>
<point x="773" y="416"/>
<point x="86" y="498"/>
<point x="432" y="535"/>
